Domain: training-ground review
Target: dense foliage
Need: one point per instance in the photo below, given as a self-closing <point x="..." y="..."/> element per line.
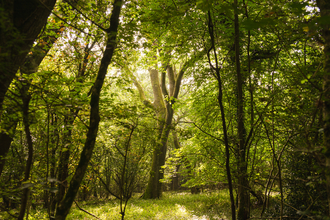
<point x="121" y="97"/>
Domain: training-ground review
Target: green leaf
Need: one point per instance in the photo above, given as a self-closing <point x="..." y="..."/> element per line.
<point x="303" y="81"/>
<point x="250" y="24"/>
<point x="204" y="5"/>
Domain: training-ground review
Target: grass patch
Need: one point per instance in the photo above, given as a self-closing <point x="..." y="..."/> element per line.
<point x="205" y="206"/>
<point x="172" y="206"/>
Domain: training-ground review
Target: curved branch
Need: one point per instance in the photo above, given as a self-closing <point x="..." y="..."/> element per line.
<point x="85" y="210"/>
<point x="186" y="65"/>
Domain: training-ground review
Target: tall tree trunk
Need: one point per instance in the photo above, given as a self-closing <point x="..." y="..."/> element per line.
<point x="324" y="6"/>
<point x="217" y="75"/>
<point x="153" y="189"/>
<point x="243" y="186"/>
<point x="164" y="113"/>
<point x="26" y="191"/>
<point x="20" y="23"/>
<point x="65" y="205"/>
<point x="55" y="138"/>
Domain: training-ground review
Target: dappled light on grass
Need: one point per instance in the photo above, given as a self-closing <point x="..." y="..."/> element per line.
<point x="179" y="212"/>
<point x="185" y="214"/>
<point x="182" y="205"/>
<point x="172" y="206"/>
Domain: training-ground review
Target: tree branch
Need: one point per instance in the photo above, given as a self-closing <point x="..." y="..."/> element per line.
<point x="85" y="210"/>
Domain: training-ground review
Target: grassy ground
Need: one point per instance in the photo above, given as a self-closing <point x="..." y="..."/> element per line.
<point x="171" y="206"/>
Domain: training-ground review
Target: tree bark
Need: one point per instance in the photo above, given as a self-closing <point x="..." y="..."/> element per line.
<point x="324" y="6"/>
<point x="26" y="191"/>
<point x="243" y="186"/>
<point x="65" y="205"/>
<point x="20" y="23"/>
<point x="153" y="189"/>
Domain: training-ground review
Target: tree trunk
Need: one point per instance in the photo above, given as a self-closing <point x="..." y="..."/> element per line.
<point x="153" y="189"/>
<point x="65" y="205"/>
<point x="217" y="75"/>
<point x="324" y="6"/>
<point x="243" y="186"/>
<point x="26" y="191"/>
<point x="157" y="173"/>
<point x="21" y="22"/>
<point x="55" y="140"/>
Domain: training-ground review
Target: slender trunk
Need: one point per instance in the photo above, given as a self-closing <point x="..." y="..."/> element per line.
<point x="46" y="192"/>
<point x="227" y="147"/>
<point x="55" y="141"/>
<point x="65" y="205"/>
<point x="26" y="191"/>
<point x="216" y="69"/>
<point x="125" y="187"/>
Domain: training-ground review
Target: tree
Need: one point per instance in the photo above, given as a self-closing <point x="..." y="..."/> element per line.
<point x="31" y="65"/>
<point x="253" y="118"/>
<point x="65" y="205"/>
<point x="21" y="22"/>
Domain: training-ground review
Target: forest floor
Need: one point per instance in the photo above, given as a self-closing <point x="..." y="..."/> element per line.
<point x="172" y="206"/>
